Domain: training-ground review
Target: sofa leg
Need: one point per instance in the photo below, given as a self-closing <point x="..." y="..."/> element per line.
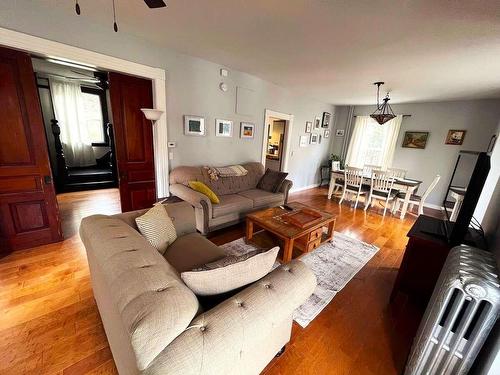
<point x="282" y="350"/>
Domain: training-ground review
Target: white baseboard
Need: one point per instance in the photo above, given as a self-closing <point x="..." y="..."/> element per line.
<point x="295" y="190"/>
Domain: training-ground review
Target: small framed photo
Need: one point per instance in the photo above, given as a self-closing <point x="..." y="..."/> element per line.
<point x="327" y="116"/>
<point x="194" y="125"/>
<point x="303" y="140"/>
<point x="317" y="122"/>
<point x="309" y="126"/>
<point x="327" y="133"/>
<point x="339" y="132"/>
<point x="314" y="138"/>
<point x="455" y="137"/>
<point x="247" y="130"/>
<point x="223" y="128"/>
<point x="415" y="139"/>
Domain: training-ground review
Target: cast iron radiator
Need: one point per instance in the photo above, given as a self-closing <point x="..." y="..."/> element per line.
<point x="463" y="308"/>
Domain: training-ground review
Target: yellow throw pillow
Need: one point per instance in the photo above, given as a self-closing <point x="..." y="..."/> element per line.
<point x="200" y="187"/>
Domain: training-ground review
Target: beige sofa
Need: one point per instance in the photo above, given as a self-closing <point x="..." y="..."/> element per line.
<point x="156" y="325"/>
<point x="238" y="195"/>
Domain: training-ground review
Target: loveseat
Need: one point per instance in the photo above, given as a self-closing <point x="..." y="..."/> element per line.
<point x="156" y="325"/>
<point x="238" y="195"/>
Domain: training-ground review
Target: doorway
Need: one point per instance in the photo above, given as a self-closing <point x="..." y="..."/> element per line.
<point x="276" y="141"/>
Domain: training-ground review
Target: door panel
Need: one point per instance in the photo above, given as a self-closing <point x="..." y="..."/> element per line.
<point x="133" y="140"/>
<point x="29" y="214"/>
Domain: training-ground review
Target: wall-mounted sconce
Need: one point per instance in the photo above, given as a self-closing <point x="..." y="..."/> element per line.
<point x="152" y="114"/>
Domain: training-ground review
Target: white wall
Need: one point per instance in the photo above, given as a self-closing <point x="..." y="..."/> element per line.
<point x="192" y="88"/>
<point x="478" y="117"/>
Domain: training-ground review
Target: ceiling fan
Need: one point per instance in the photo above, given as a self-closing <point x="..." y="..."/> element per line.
<point x="152" y="4"/>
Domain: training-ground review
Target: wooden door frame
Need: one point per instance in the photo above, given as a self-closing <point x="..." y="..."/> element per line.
<point x="50" y="49"/>
<point x="288" y="118"/>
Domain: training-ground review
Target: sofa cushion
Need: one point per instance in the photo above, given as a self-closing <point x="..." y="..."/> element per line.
<point x="192" y="251"/>
<point x="157" y="227"/>
<point x="271" y="181"/>
<point x="231" y="203"/>
<point x="222" y="186"/>
<point x="232" y="276"/>
<point x="200" y="187"/>
<point x="262" y="198"/>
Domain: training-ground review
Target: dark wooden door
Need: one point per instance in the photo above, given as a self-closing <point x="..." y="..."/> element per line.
<point x="133" y="140"/>
<point x="29" y="215"/>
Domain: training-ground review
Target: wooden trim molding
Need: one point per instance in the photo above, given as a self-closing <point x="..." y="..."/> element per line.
<point x="50" y="49"/>
<point x="287" y="148"/>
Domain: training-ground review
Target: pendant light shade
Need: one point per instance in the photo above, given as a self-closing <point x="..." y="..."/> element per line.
<point x="384" y="112"/>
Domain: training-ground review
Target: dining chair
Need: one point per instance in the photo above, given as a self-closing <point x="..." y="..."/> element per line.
<point x="368" y="168"/>
<point x="338" y="183"/>
<point x="381" y="188"/>
<point x="416" y="199"/>
<point x="397" y="172"/>
<point x="353" y="184"/>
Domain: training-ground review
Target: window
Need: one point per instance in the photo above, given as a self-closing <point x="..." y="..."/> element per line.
<point x="372" y="143"/>
<point x="95" y="115"/>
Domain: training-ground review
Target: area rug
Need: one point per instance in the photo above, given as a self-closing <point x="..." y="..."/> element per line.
<point x="334" y="264"/>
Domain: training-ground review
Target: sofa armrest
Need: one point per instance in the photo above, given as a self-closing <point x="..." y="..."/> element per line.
<point x="200" y="202"/>
<point x="214" y="341"/>
<point x="285" y="188"/>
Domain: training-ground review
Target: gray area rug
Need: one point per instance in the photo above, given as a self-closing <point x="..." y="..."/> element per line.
<point x="334" y="264"/>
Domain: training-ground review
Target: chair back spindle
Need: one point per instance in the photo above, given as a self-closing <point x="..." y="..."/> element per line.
<point x="397" y="172"/>
<point x="382" y="181"/>
<point x="353" y="176"/>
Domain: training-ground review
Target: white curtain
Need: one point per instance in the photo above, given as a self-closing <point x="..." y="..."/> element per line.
<point x="372" y="143"/>
<point x="69" y="111"/>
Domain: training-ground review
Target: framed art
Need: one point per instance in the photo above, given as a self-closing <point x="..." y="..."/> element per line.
<point x="194" y="125"/>
<point x="303" y="141"/>
<point x="247" y="130"/>
<point x="223" y="128"/>
<point x="314" y="138"/>
<point x="327" y="133"/>
<point x="455" y="137"/>
<point x="317" y="122"/>
<point x="325" y="123"/>
<point x="339" y="132"/>
<point x="309" y="126"/>
<point x="415" y="139"/>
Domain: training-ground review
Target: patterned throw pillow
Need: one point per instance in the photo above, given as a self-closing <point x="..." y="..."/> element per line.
<point x="272" y="181"/>
<point x="200" y="187"/>
<point x="157" y="227"/>
<point x="230" y="273"/>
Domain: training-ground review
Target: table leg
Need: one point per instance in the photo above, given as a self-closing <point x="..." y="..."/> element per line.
<point x="249" y="230"/>
<point x="331" y="227"/>
<point x="409" y="191"/>
<point x="288" y="250"/>
<point x="330" y="187"/>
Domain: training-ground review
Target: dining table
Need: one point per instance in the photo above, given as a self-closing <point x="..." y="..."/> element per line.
<point x="406" y="185"/>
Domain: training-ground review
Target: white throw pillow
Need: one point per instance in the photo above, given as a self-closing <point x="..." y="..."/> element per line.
<point x="157" y="227"/>
<point x="228" y="277"/>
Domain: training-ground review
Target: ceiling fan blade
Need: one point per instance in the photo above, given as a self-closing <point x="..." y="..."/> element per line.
<point x="155" y="3"/>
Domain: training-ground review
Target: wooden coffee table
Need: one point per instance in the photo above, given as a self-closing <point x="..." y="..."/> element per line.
<point x="305" y="239"/>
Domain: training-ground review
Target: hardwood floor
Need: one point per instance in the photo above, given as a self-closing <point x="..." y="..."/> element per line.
<point x="50" y="323"/>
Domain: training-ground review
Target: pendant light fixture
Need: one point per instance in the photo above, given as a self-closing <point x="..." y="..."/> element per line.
<point x="384" y="112"/>
<point x="115" y="25"/>
<point x="77" y="8"/>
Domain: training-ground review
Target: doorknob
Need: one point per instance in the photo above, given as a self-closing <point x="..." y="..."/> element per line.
<point x="47" y="180"/>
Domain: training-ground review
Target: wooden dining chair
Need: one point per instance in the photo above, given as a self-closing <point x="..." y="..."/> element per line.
<point x="368" y="168"/>
<point x="353" y="184"/>
<point x="397" y="172"/>
<point x="416" y="199"/>
<point x="381" y="188"/>
<point x="335" y="183"/>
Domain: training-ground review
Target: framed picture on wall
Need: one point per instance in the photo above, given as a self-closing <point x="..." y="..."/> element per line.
<point x="309" y="126"/>
<point x="415" y="139"/>
<point x="223" y="128"/>
<point x="455" y="137"/>
<point x="247" y="130"/>
<point x="317" y="122"/>
<point x="303" y="141"/>
<point x="314" y="138"/>
<point x="327" y="133"/>
<point x="325" y="123"/>
<point x="194" y="125"/>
